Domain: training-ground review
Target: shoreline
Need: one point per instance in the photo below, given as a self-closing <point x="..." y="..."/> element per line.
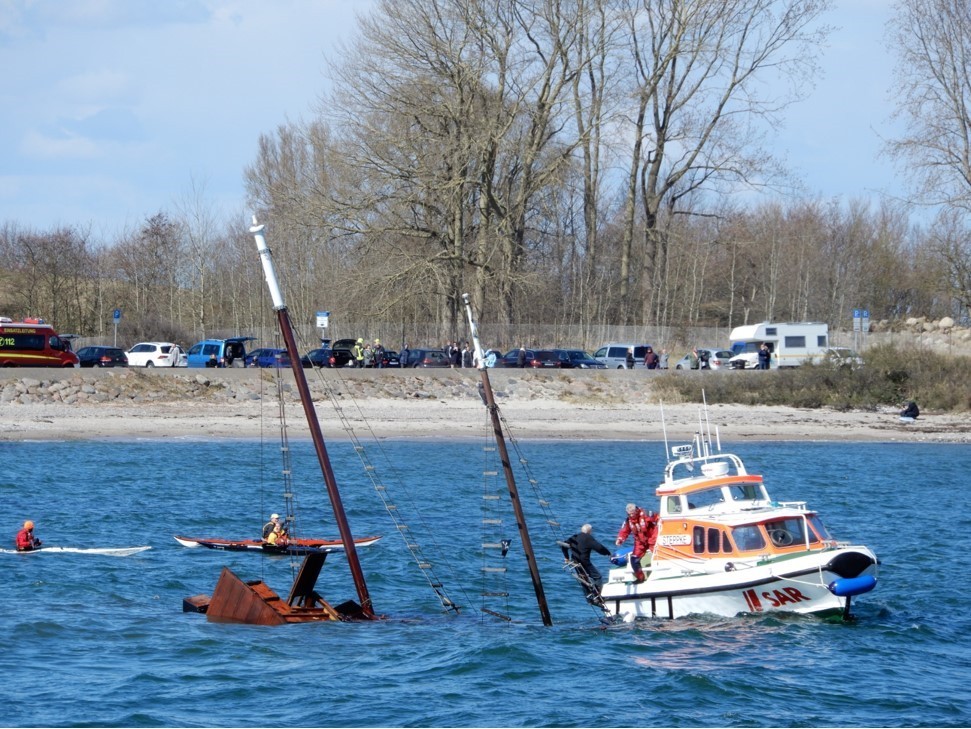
<point x="387" y="419"/>
<point x="75" y="405"/>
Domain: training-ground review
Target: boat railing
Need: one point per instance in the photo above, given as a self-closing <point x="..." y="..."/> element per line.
<point x="706" y="466"/>
<point x="797" y="505"/>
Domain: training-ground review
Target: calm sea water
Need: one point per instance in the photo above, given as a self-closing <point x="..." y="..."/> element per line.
<point x="101" y="641"/>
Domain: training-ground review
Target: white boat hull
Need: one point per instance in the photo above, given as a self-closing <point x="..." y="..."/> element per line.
<point x="799" y="584"/>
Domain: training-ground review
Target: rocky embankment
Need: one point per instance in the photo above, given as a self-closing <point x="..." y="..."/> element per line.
<point x="130" y="386"/>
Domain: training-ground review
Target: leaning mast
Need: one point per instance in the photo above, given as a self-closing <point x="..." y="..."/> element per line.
<point x="490" y="401"/>
<point x="316" y="434"/>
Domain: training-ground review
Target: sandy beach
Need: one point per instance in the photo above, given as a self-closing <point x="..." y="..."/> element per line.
<point x="123" y="405"/>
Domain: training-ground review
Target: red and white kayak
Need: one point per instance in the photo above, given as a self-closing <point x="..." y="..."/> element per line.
<point x="293" y="546"/>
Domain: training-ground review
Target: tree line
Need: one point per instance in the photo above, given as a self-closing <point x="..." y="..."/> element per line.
<point x="563" y="161"/>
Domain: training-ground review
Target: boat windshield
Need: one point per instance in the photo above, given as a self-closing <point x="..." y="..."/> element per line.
<point x="705" y="498"/>
<point x="748" y="538"/>
<point x="747" y="492"/>
<point x="786" y="532"/>
<point x="819" y="528"/>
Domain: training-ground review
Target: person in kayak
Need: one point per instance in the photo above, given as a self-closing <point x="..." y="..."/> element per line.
<point x="272" y="524"/>
<point x="577" y="549"/>
<point x="26" y="541"/>
<point x="643" y="525"/>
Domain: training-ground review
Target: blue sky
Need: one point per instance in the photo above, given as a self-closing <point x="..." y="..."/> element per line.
<point x="115" y="109"/>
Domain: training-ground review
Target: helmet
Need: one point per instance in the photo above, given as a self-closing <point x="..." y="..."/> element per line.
<point x="377" y="341"/>
<point x="28" y="525"/>
<point x="274" y="516"/>
<point x="360" y="341"/>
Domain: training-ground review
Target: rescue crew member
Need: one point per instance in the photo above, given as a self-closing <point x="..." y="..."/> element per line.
<point x="26" y="541"/>
<point x="643" y="525"/>
<point x="577" y="548"/>
<point x="358" y="352"/>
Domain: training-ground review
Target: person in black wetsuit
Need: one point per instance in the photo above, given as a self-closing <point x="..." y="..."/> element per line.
<point x="578" y="548"/>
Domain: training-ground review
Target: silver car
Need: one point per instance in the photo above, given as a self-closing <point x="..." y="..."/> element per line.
<point x="717" y="359"/>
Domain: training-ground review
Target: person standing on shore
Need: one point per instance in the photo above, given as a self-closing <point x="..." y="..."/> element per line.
<point x="662" y="360"/>
<point x="630" y="358"/>
<point x="26" y="541"/>
<point x="765" y="356"/>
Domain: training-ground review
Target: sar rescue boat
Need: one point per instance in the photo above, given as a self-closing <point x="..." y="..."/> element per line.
<point x="724" y="547"/>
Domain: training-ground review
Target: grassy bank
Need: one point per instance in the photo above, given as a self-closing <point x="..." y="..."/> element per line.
<point x="889" y="376"/>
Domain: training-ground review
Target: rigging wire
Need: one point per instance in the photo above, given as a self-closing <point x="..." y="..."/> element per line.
<point x="411" y="540"/>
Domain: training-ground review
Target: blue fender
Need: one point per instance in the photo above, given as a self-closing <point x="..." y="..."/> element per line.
<point x="849" y="586"/>
<point x="621" y="556"/>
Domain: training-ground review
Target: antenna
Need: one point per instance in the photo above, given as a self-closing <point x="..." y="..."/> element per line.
<point x="664" y="429"/>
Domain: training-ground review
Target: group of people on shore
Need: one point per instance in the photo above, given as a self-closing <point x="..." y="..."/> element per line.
<point x="640" y="524"/>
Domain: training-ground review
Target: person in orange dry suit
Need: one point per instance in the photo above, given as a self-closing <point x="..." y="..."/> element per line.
<point x="643" y="525"/>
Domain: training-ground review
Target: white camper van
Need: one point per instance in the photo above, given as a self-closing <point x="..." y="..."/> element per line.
<point x="791" y="343"/>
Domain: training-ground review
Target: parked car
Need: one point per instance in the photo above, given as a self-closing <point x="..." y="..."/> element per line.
<point x="325" y="357"/>
<point x="250" y="359"/>
<point x="717" y="359"/>
<point x="391" y="359"/>
<point x="102" y="357"/>
<point x="614" y="355"/>
<point x="156" y="354"/>
<point x="842" y="357"/>
<point x="582" y="360"/>
<point x="426" y="358"/>
<point x="219" y="352"/>
<point x="536" y="359"/>
<point x="272" y="357"/>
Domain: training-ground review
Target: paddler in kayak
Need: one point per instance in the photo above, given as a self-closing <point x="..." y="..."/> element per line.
<point x="26" y="541"/>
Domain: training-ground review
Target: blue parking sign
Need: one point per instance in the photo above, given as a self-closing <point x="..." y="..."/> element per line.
<point x="117" y="314"/>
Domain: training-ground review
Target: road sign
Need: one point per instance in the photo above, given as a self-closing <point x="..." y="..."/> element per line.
<point x="323" y="319"/>
<point x="117" y="315"/>
<point x="866" y="320"/>
<point x="856" y="320"/>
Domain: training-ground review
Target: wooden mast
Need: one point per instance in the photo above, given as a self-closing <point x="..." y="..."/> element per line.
<point x="315" y="433"/>
<point x="490" y="402"/>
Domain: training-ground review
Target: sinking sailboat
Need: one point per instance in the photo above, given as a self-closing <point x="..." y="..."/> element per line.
<point x="254" y="602"/>
<point x="725" y="547"/>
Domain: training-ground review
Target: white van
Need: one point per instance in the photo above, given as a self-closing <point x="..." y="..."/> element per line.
<point x="791" y="343"/>
<point x="614" y="355"/>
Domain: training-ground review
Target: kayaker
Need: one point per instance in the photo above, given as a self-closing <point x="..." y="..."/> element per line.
<point x="26" y="541"/>
<point x="270" y="526"/>
<point x="643" y="525"/>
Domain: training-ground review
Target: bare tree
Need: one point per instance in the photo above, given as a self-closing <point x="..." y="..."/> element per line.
<point x="704" y="85"/>
<point x="932" y="39"/>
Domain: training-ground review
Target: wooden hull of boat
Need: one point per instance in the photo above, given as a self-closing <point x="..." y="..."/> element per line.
<point x="798" y="585"/>
<point x="254" y="603"/>
<point x="294" y="546"/>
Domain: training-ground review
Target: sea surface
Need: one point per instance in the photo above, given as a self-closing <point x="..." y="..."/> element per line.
<point x="93" y="640"/>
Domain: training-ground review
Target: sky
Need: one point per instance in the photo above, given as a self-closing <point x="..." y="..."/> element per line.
<point x="114" y="110"/>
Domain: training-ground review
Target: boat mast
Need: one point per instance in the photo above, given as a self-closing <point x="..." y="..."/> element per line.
<point x="308" y="407"/>
<point x="490" y="402"/>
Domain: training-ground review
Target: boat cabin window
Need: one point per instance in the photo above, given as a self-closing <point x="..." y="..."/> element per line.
<point x="710" y="541"/>
<point x="674" y="504"/>
<point x="787" y="532"/>
<point x="748" y="538"/>
<point x="705" y="498"/>
<point x="747" y="492"/>
<point x="819" y="528"/>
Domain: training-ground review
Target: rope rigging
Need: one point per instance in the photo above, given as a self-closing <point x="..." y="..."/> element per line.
<point x="412" y="539"/>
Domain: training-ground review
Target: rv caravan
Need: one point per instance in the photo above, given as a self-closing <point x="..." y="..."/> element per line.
<point x="791" y="343"/>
